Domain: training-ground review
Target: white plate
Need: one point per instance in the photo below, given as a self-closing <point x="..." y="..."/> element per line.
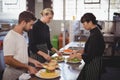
<point x="47" y="76"/>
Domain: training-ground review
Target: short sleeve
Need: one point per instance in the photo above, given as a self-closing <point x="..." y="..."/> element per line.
<point x="9" y="46"/>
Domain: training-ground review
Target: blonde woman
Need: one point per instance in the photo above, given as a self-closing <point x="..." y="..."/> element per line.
<point x="39" y="37"/>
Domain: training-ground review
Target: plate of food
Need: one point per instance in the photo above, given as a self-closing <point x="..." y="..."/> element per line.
<point x="73" y="60"/>
<point x="58" y="58"/>
<point x="47" y="74"/>
<point x="67" y="51"/>
<point x="50" y="70"/>
<point x="52" y="65"/>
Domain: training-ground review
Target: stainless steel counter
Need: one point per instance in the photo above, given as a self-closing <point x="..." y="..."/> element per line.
<point x="68" y="71"/>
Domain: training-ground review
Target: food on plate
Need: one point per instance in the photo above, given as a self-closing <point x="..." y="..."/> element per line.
<point x="68" y="50"/>
<point x="73" y="60"/>
<point x="51" y="66"/>
<point x="58" y="58"/>
<point x="43" y="74"/>
<point x="50" y="70"/>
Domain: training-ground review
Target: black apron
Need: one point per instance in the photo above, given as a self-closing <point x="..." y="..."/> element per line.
<point x="92" y="70"/>
<point x="43" y="48"/>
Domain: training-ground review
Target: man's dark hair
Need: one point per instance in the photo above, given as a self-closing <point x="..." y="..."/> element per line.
<point x="26" y="16"/>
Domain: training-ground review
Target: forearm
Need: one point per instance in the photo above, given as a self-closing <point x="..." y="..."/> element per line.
<point x="31" y="60"/>
<point x="33" y="48"/>
<point x="54" y="50"/>
<point x="41" y="53"/>
<point x="15" y="63"/>
<point x="46" y="56"/>
<point x="35" y="62"/>
<point x="80" y="51"/>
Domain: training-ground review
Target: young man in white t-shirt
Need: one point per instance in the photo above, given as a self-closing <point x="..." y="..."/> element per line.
<point x="16" y="49"/>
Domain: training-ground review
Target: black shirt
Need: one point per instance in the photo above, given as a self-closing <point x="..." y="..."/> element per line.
<point x="39" y="34"/>
<point x="94" y="46"/>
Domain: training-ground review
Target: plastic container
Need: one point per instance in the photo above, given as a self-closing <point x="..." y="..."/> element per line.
<point x="55" y="41"/>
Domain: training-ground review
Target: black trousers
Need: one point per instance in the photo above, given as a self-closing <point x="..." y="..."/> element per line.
<point x="91" y="70"/>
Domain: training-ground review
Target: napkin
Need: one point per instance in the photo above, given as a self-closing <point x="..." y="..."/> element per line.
<point x="24" y="76"/>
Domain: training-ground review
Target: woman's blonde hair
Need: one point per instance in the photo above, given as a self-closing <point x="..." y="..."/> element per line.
<point x="47" y="11"/>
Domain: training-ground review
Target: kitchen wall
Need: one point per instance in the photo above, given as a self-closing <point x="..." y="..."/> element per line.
<point x="108" y="27"/>
<point x="55" y="27"/>
<point x="102" y="8"/>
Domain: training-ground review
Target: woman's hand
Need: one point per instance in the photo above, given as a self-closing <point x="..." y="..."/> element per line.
<point x="55" y="50"/>
<point x="78" y="55"/>
<point x="72" y="55"/>
<point x="59" y="53"/>
<point x="47" y="57"/>
<point x="78" y="51"/>
<point x="75" y="55"/>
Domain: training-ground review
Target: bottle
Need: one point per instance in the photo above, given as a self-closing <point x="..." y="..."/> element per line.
<point x="66" y="37"/>
<point x="60" y="40"/>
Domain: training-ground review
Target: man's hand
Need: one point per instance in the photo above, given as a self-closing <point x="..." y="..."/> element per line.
<point x="32" y="70"/>
<point x="37" y="63"/>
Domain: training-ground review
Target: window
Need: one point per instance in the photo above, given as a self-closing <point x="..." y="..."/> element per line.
<point x="100" y="8"/>
<point x="58" y="9"/>
<point x="11" y="8"/>
<point x="91" y="1"/>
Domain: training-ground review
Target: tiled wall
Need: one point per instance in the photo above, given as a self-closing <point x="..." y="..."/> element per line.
<point x="55" y="27"/>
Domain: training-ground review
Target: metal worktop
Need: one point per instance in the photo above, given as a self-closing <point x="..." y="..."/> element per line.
<point x="69" y="71"/>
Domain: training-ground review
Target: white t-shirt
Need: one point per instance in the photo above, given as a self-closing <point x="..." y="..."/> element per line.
<point x="15" y="44"/>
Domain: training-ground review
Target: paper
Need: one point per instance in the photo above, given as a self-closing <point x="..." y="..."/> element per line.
<point x="24" y="76"/>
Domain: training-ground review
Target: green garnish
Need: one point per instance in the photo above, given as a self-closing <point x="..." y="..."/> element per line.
<point x="48" y="71"/>
<point x="74" y="60"/>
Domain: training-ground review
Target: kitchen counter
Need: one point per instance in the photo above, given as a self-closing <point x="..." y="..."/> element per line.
<point x="78" y="45"/>
<point x="69" y="71"/>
